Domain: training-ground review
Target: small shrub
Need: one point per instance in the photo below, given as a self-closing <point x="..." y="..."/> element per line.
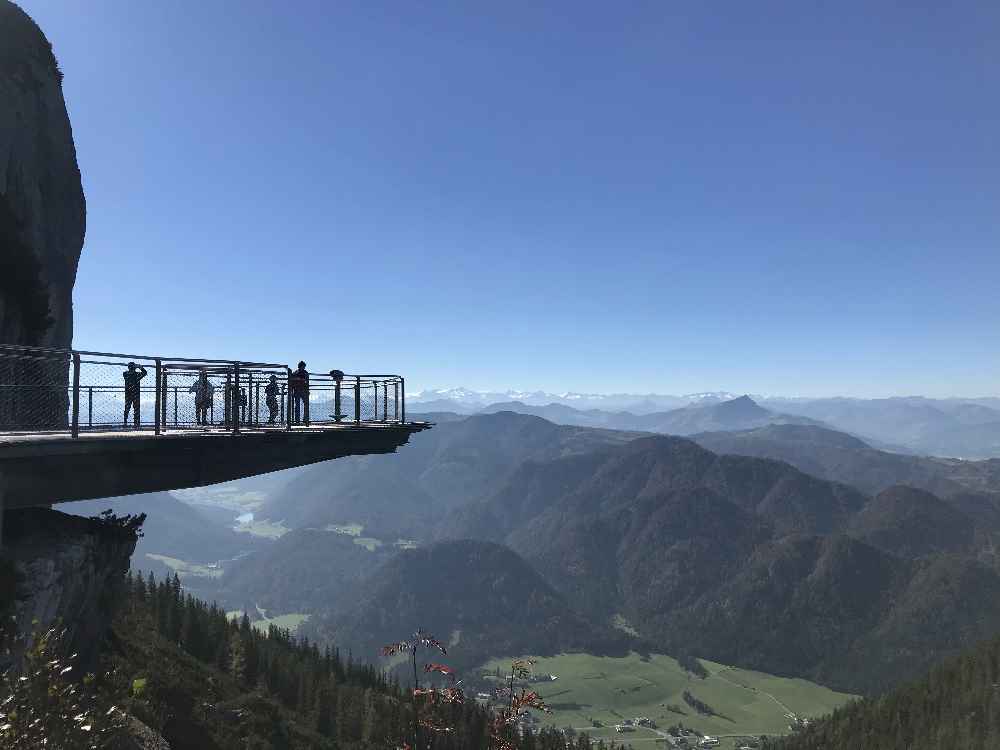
<point x="46" y="705"/>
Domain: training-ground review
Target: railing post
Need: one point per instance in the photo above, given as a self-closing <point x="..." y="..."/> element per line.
<point x="90" y="406"/>
<point x="395" y="400"/>
<point x="75" y="428"/>
<point x="357" y="399"/>
<point x="226" y="398"/>
<point x="246" y="411"/>
<point x="402" y="391"/>
<point x="175" y="406"/>
<point x="288" y="400"/>
<point x="164" y="399"/>
<point x="336" y="401"/>
<point x="157" y="401"/>
<point x="305" y="402"/>
<point x="385" y="401"/>
<point x="235" y="408"/>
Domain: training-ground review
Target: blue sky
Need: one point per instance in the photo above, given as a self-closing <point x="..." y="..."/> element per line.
<point x="787" y="198"/>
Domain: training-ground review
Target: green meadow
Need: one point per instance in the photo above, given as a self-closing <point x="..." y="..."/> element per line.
<point x="609" y="689"/>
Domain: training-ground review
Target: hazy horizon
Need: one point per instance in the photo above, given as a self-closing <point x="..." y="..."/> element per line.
<point x="715" y="392"/>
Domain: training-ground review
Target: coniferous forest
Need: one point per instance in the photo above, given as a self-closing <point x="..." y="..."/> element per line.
<point x="956" y="705"/>
<point x="203" y="680"/>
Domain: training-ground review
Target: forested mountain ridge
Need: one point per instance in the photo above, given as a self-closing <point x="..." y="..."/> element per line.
<point x="745" y="560"/>
<point x="955" y="705"/>
<point x="480" y="598"/>
<point x="306" y="570"/>
<point x="201" y="680"/>
<point x="408" y="493"/>
<point x="749" y="561"/>
<point x="840" y="457"/>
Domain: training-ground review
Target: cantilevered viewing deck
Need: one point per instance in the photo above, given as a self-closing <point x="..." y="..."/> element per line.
<point x="78" y="425"/>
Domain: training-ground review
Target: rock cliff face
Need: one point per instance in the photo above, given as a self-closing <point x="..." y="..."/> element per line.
<point x="42" y="208"/>
<point x="68" y="568"/>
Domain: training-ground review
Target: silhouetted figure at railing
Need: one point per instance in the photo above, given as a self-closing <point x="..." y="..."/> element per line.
<point x="132" y="378"/>
<point x="298" y="381"/>
<point x="203" y="391"/>
<point x="271" y="398"/>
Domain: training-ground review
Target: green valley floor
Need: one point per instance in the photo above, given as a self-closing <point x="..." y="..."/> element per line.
<point x="608" y="690"/>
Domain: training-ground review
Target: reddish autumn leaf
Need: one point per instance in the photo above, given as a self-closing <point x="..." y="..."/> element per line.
<point x="529" y="699"/>
<point x="442" y="668"/>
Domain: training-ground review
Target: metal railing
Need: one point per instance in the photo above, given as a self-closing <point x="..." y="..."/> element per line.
<point x="60" y="391"/>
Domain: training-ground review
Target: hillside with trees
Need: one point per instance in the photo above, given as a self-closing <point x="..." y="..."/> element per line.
<point x="481" y="599"/>
<point x="408" y="493"/>
<point x="955" y="705"/>
<point x="177" y="669"/>
<point x="749" y="561"/>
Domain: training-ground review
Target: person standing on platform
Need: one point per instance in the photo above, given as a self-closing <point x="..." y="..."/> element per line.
<point x="271" y="397"/>
<point x="203" y="392"/>
<point x="299" y="384"/>
<point x="132" y="378"/>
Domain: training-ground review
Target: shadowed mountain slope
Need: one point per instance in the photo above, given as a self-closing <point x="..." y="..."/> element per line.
<point x="749" y="561"/>
<point x="407" y="493"/>
<point x="912" y="523"/>
<point x="833" y="455"/>
<point x="481" y="599"/>
<point x="306" y="570"/>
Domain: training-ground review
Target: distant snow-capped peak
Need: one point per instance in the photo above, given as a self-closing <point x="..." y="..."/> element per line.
<point x="639" y="402"/>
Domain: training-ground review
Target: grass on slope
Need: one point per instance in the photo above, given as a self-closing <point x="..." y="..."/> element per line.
<point x="264" y="528"/>
<point x="183" y="568"/>
<point x="349" y="529"/>
<point x="370" y="543"/>
<point x="289" y="622"/>
<point x="610" y="689"/>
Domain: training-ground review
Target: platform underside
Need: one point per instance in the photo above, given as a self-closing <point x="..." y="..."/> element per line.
<point x="41" y="469"/>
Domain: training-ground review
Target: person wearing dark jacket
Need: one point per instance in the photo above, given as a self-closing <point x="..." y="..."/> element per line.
<point x="271" y="398"/>
<point x="299" y="384"/>
<point x="132" y="378"/>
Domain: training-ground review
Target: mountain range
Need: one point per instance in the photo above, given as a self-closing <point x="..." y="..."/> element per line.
<point x="750" y="561"/>
<point x="742" y="559"/>
<point x="962" y="428"/>
<point x="782" y="547"/>
<point x="406" y="494"/>
<point x="840" y="457"/>
<point x="734" y="414"/>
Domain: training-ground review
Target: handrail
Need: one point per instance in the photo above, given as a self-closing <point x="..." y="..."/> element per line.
<point x="46" y="389"/>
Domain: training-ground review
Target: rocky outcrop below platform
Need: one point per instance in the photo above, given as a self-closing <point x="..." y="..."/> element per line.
<point x="69" y="570"/>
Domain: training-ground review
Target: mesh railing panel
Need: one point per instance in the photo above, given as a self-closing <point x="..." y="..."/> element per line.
<point x="34" y="392"/>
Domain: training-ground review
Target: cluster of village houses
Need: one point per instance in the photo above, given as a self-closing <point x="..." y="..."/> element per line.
<point x="630" y="725"/>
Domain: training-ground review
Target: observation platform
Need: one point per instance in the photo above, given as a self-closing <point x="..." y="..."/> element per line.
<point x="83" y="425"/>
